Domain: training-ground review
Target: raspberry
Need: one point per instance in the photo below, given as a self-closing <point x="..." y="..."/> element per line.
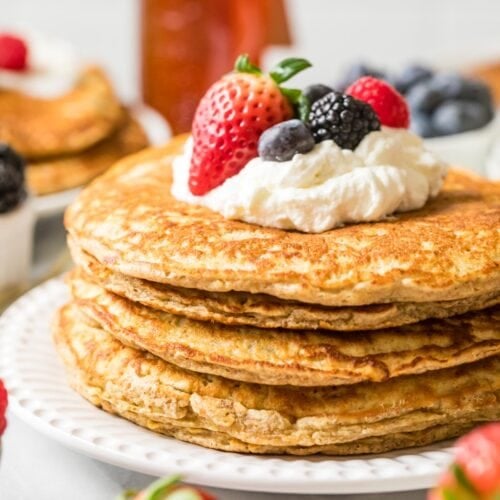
<point x="13" y="53"/>
<point x="388" y="103"/>
<point x="3" y="407"/>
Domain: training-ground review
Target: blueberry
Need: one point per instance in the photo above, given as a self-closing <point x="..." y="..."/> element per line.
<point x="456" y="116"/>
<point x="410" y="76"/>
<point x="12" y="190"/>
<point x="315" y="92"/>
<point x="357" y="71"/>
<point x="475" y="90"/>
<point x="424" y="97"/>
<point x="282" y="141"/>
<point x="421" y="124"/>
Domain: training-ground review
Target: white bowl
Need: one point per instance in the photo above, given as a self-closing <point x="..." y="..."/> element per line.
<point x="16" y="246"/>
<point x="467" y="150"/>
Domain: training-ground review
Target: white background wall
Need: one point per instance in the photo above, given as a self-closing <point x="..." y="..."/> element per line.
<point x="329" y="32"/>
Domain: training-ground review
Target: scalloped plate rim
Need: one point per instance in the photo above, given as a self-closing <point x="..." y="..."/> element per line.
<point x="53" y="291"/>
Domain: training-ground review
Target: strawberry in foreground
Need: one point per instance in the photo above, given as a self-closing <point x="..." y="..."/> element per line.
<point x="168" y="488"/>
<point x="233" y="114"/>
<point x="475" y="474"/>
<point x="13" y="53"/>
<point x="389" y="105"/>
<point x="3" y="408"/>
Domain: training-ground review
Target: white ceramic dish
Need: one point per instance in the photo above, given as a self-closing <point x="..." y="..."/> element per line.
<point x="39" y="396"/>
<point x="16" y="246"/>
<point x="468" y="149"/>
<point x="156" y="129"/>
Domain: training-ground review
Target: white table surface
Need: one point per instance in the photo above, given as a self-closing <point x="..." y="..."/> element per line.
<point x="34" y="466"/>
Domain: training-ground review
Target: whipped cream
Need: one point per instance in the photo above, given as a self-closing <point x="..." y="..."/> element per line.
<point x="53" y="68"/>
<point x="390" y="171"/>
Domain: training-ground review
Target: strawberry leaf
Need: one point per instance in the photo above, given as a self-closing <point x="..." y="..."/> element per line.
<point x="299" y="102"/>
<point x="160" y="488"/>
<point x="287" y="68"/>
<point x="449" y="495"/>
<point x="127" y="495"/>
<point x="243" y="65"/>
<point x="462" y="479"/>
<point x="185" y="493"/>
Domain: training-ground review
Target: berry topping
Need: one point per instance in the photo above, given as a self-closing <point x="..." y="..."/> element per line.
<point x="233" y="114"/>
<point x="315" y="92"/>
<point x="12" y="191"/>
<point x="283" y="140"/>
<point x="388" y="103"/>
<point x="13" y="53"/>
<point x="342" y="118"/>
<point x="3" y="407"/>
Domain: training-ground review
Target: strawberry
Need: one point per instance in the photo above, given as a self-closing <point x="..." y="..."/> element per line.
<point x="3" y="407"/>
<point x="167" y="488"/>
<point x="233" y="114"/>
<point x="390" y="106"/>
<point x="478" y="454"/>
<point x="13" y="53"/>
<point x="475" y="474"/>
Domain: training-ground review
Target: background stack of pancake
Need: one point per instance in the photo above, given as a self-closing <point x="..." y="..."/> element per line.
<point x="362" y="339"/>
<point x="70" y="139"/>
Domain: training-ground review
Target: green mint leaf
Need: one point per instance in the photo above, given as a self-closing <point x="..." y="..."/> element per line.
<point x="462" y="479"/>
<point x="287" y="68"/>
<point x="160" y="488"/>
<point x="243" y="65"/>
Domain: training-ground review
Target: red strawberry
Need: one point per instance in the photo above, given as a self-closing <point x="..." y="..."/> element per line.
<point x="387" y="102"/>
<point x="478" y="454"/>
<point x="475" y="474"/>
<point x="231" y="117"/>
<point x="13" y="53"/>
<point x="3" y="407"/>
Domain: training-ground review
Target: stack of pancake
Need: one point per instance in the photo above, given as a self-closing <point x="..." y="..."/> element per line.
<point x="233" y="336"/>
<point x="71" y="139"/>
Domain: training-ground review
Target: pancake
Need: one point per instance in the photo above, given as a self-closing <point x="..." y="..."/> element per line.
<point x="38" y="127"/>
<point x="66" y="172"/>
<point x="265" y="311"/>
<point x="448" y="250"/>
<point x="236" y="416"/>
<point x="279" y="357"/>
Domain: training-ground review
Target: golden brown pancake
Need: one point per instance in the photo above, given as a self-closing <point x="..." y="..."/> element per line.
<point x="38" y="127"/>
<point x="265" y="311"/>
<point x="279" y="357"/>
<point x="449" y="250"/>
<point x="65" y="172"/>
<point x="236" y="416"/>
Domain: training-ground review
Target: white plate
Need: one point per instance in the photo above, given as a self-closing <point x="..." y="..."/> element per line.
<point x="39" y="396"/>
<point x="157" y="131"/>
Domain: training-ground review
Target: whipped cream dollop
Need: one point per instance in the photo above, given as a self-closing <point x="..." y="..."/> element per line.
<point x="390" y="171"/>
<point x="53" y="67"/>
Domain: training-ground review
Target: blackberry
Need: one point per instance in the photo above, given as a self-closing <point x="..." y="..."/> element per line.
<point x="316" y="91"/>
<point x="11" y="199"/>
<point x="343" y="119"/>
<point x="12" y="191"/>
